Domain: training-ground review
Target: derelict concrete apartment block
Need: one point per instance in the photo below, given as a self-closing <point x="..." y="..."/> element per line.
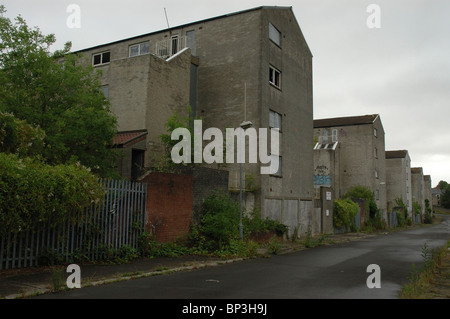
<point x="252" y="65"/>
<point x="418" y="187"/>
<point x="361" y="153"/>
<point x="398" y="179"/>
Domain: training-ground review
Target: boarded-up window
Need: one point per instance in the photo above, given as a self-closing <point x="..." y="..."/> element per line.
<point x="274" y="34"/>
<point x="274" y="120"/>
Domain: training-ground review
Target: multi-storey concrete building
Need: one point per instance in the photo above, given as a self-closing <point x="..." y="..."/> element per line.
<point x="361" y="153"/>
<point x="427" y="193"/>
<point x="418" y="187"/>
<point x="253" y="65"/>
<point x="398" y="179"/>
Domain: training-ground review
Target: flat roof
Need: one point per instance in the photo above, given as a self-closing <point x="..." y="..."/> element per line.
<point x="346" y="121"/>
<point x="186" y="25"/>
<point x="396" y="154"/>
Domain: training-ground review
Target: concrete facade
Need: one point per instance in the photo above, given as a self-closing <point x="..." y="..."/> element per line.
<point x="242" y="66"/>
<point x="418" y="187"/>
<point x="427" y="193"/>
<point x="398" y="179"/>
<point x="362" y="153"/>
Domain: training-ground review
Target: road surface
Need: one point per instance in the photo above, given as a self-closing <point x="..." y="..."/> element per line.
<point x="328" y="272"/>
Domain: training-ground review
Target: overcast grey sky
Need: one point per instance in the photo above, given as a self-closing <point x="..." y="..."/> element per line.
<point x="400" y="71"/>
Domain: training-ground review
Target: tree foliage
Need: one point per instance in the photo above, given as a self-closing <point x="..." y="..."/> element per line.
<point x="33" y="193"/>
<point x="445" y="196"/>
<point x="57" y="93"/>
<point x="366" y="194"/>
<point x="344" y="213"/>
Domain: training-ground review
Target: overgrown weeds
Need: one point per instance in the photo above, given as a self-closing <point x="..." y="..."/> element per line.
<point x="421" y="279"/>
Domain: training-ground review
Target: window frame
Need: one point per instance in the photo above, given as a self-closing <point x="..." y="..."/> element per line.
<point x="278" y="32"/>
<point x="280" y="116"/>
<point x="138" y="45"/>
<point x="273" y="72"/>
<point x="101" y="54"/>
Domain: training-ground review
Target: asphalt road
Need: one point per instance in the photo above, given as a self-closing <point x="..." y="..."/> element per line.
<point x="327" y="272"/>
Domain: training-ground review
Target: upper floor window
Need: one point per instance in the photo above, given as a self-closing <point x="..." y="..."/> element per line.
<point x="275" y="77"/>
<point x="101" y="58"/>
<point x="375" y="132"/>
<point x="274" y="34"/>
<point x="274" y="120"/>
<point x="139" y="49"/>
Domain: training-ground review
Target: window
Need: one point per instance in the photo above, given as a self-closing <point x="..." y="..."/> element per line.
<point x="139" y="49"/>
<point x="190" y="41"/>
<point x="274" y="34"/>
<point x="376" y="173"/>
<point x="334" y="135"/>
<point x="101" y="58"/>
<point x="375" y="132"/>
<point x="274" y="120"/>
<point x="377" y="194"/>
<point x="376" y="152"/>
<point x="275" y="77"/>
<point x="174" y="44"/>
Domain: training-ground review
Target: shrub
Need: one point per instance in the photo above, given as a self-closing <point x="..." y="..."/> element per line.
<point x="220" y="219"/>
<point x="33" y="193"/>
<point x="363" y="193"/>
<point x="345" y="211"/>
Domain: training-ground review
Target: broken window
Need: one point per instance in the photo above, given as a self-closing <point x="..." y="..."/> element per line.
<point x="275" y="77"/>
<point x="274" y="34"/>
<point x="101" y="58"/>
<point x="274" y="120"/>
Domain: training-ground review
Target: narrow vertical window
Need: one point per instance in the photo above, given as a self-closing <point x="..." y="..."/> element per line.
<point x="190" y="41"/>
<point x="275" y="77"/>
<point x="274" y="120"/>
<point x="274" y="34"/>
<point x="174" y="44"/>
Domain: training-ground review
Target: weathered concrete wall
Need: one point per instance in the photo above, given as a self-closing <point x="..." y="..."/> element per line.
<point x="234" y="54"/>
<point x="398" y="182"/>
<point x="362" y="159"/>
<point x="427" y="190"/>
<point x="417" y="185"/>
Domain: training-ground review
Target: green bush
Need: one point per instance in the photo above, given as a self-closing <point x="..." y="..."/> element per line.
<point x="18" y="137"/>
<point x="255" y="224"/>
<point x="344" y="214"/>
<point x="366" y="194"/>
<point x="220" y="219"/>
<point x="33" y="193"/>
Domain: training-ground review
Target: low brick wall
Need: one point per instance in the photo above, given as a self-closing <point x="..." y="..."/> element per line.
<point x="169" y="205"/>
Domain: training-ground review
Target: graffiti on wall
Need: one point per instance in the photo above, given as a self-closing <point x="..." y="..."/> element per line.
<point x="322" y="175"/>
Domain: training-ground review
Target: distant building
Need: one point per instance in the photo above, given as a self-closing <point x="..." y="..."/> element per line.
<point x="436" y="193"/>
<point x="398" y="179"/>
<point x="427" y="191"/>
<point x="418" y="187"/>
<point x="252" y="65"/>
<point x="361" y="153"/>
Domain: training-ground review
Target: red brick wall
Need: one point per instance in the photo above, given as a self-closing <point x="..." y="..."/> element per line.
<point x="169" y="205"/>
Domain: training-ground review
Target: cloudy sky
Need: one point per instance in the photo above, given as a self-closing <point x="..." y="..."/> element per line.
<point x="400" y="70"/>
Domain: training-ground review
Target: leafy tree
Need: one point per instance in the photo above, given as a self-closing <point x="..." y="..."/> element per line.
<point x="445" y="198"/>
<point x="18" y="137"/>
<point x="57" y="93"/>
